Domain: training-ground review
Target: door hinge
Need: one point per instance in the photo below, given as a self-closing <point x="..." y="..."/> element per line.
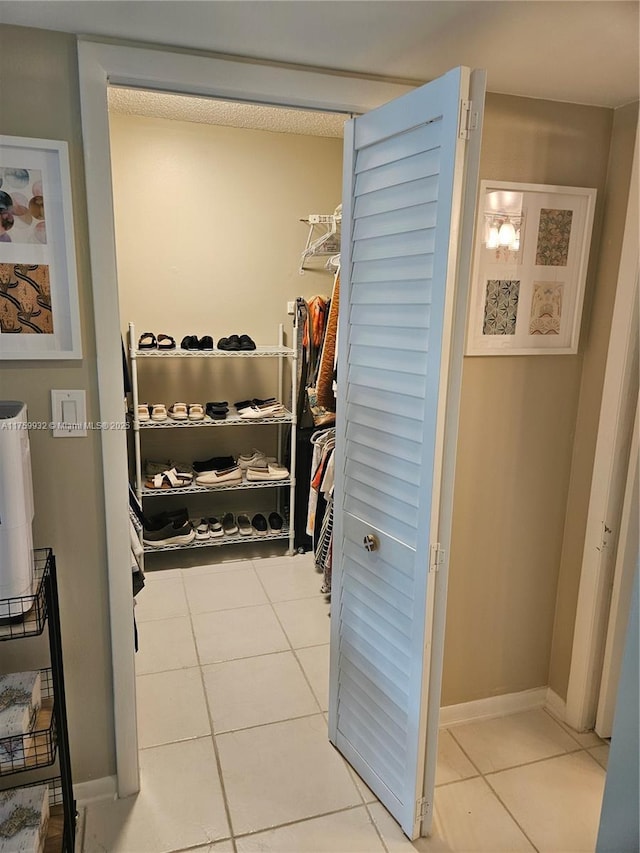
<point x="468" y="120"/>
<point x="436" y="557"/>
<point x="422" y="807"/>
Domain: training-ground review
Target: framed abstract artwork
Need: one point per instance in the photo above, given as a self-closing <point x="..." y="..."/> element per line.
<point x="39" y="317"/>
<point x="530" y="266"/>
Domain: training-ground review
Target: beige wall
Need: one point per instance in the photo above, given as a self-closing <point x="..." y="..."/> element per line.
<point x="209" y="239"/>
<point x="516" y="441"/>
<point x="39" y="98"/>
<point x="517" y="426"/>
<point x="598" y="318"/>
<point x="208" y="224"/>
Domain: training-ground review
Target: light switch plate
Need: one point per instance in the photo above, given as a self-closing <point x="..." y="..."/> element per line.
<point x="68" y="414"/>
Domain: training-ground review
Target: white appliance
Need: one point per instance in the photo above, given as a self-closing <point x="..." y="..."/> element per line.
<point x="16" y="511"/>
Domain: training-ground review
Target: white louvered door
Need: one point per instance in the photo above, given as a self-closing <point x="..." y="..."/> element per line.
<point x="404" y="165"/>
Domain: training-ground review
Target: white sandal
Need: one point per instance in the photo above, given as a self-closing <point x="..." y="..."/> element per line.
<point x="196" y="412"/>
<point x="158" y="412"/>
<point x="179" y="412"/>
<point x="169" y="479"/>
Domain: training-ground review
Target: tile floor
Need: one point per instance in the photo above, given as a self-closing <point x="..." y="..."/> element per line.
<point x="232" y="680"/>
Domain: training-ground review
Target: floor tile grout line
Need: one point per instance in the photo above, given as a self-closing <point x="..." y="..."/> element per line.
<point x="464" y="751"/>
<point x="269" y="723"/>
<point x="203" y="736"/>
<point x="568" y="730"/>
<point x="511" y="766"/>
<point x="282" y="628"/>
<point x="244" y="657"/>
<point x="455" y="781"/>
<point x="216" y="753"/>
<point x="511" y="815"/>
<point x="375" y="825"/>
<point x="534" y="761"/>
<point x="253" y="832"/>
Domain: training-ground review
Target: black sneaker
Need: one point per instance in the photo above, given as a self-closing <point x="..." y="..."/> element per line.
<point x="246" y="343"/>
<point x="276" y="522"/>
<point x="216" y="411"/>
<point x="259" y="524"/>
<point x="161" y="519"/>
<point x="206" y="342"/>
<point x="229" y="525"/>
<point x="216" y="463"/>
<point x="189" y="342"/>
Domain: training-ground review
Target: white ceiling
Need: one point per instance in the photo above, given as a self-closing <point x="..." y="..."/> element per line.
<point x="138" y="102"/>
<point x="583" y="51"/>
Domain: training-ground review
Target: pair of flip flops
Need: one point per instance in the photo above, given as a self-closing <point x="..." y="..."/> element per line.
<point x="236" y="343"/>
<point x="149" y="341"/>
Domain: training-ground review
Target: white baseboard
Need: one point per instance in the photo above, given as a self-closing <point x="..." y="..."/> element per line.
<point x="494" y="706"/>
<point x="555" y="705"/>
<point x="95" y="790"/>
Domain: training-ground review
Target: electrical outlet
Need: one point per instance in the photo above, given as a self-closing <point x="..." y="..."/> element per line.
<point x="291" y="307"/>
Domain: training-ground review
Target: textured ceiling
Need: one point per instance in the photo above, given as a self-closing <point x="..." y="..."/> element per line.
<point x="210" y="111"/>
<point x="582" y="51"/>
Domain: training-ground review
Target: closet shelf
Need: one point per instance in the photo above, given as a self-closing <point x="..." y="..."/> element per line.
<point x="222" y="540"/>
<point x="191" y="490"/>
<point x="284" y="361"/>
<point x="231" y="420"/>
<point x="258" y="352"/>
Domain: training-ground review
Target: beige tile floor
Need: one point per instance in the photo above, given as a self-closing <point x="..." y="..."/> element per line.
<point x="232" y="684"/>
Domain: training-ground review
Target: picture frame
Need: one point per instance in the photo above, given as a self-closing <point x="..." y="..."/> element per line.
<point x="529" y="270"/>
<point x="39" y="313"/>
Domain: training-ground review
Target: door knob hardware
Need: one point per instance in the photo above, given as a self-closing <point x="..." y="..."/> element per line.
<point x="370" y="542"/>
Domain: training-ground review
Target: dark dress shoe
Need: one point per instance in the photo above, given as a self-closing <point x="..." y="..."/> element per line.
<point x="189" y="342"/>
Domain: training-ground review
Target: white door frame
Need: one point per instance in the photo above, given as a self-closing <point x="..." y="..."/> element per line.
<point x="619" y="397"/>
<point x="625" y="570"/>
<point x="101" y="65"/>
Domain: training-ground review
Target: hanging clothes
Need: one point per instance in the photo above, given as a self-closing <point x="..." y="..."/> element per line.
<point x="324" y="386"/>
<point x="323" y="442"/>
<point x="322" y="484"/>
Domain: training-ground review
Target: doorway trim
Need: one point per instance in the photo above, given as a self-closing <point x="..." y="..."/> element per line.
<point x="617" y="410"/>
<point x="100" y="66"/>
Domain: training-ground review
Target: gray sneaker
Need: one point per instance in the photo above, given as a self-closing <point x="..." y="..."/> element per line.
<point x="173" y="533"/>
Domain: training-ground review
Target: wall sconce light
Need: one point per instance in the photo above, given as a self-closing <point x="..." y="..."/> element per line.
<point x="502" y="231"/>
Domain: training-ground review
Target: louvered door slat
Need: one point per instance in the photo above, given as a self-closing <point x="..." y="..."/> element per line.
<point x="403" y="197"/>
<point x="414" y="141"/>
<point x="423" y="165"/>
<point x="377" y="292"/>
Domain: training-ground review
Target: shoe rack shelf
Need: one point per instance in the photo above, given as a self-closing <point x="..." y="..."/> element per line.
<point x="229" y="421"/>
<point x="258" y="352"/>
<point x="235" y="539"/>
<point x="191" y="490"/>
<point x="287" y="379"/>
<point x="48" y="741"/>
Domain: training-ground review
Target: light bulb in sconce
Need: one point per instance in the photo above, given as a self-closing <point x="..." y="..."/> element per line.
<point x="492" y="241"/>
<point x="507" y="234"/>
